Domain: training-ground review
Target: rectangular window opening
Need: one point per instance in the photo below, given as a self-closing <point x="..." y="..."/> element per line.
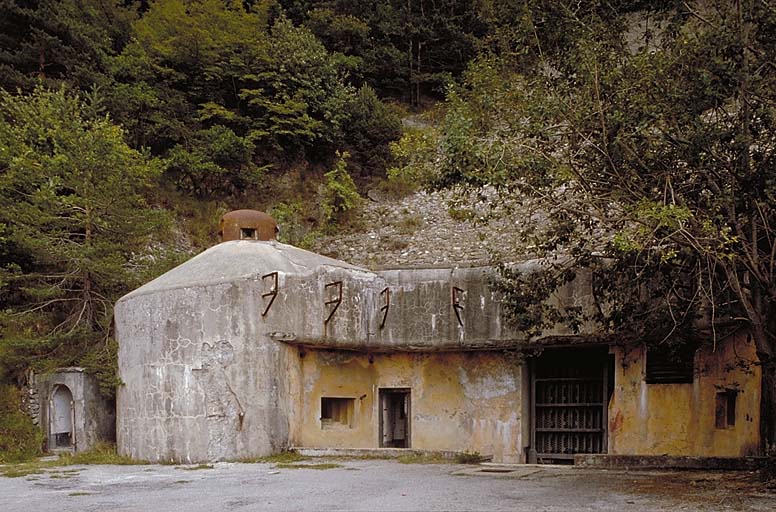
<point x="725" y="416"/>
<point x="247" y="234"/>
<point x="337" y="411"/>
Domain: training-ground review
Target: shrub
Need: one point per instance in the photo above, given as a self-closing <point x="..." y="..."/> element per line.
<point x="20" y="440"/>
<point x="370" y="127"/>
<point x="468" y="458"/>
<point x="415" y="156"/>
<point x="291" y="219"/>
<point x="338" y="197"/>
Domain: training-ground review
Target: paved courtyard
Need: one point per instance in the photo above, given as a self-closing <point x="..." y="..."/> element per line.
<point x="375" y="485"/>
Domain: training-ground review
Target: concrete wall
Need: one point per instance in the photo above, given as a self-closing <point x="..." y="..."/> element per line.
<point x="679" y="419"/>
<point x="200" y="380"/>
<point x="95" y="416"/>
<point x="422" y="315"/>
<point x="203" y="380"/>
<point x="459" y="401"/>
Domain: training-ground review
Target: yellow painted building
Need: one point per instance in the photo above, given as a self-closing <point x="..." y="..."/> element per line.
<point x="487" y="402"/>
<point x="717" y="414"/>
<point x="466" y="401"/>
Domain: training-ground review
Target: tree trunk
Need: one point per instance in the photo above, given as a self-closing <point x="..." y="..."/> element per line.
<point x="417" y="84"/>
<point x="41" y="63"/>
<point x="767" y="408"/>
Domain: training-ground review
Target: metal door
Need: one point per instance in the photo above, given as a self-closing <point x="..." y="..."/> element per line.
<point x="394" y="418"/>
<point x="570" y="399"/>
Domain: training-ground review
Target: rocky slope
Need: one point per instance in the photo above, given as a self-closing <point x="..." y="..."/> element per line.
<point x="421" y="230"/>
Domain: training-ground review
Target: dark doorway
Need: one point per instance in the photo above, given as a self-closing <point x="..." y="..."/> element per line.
<point x="570" y="398"/>
<point x="395" y="418"/>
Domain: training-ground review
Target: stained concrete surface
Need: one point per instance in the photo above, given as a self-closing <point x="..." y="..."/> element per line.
<point x="377" y="485"/>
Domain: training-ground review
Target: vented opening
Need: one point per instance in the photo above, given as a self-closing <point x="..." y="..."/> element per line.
<point x="670" y="366"/>
<point x="337" y="411"/>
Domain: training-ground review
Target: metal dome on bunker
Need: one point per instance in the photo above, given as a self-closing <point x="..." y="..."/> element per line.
<point x="247" y="225"/>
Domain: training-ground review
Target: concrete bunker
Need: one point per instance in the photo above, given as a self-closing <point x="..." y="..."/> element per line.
<point x="255" y="346"/>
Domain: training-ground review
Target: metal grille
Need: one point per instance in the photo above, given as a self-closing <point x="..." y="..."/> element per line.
<point x="569" y="397"/>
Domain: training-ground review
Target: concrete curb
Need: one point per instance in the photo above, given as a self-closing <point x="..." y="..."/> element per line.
<point x="381" y="453"/>
<point x="600" y="461"/>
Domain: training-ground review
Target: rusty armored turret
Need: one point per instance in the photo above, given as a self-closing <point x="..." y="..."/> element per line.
<point x="247" y="225"/>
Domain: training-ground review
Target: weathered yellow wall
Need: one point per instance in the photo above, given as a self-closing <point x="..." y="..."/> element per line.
<point x="459" y="401"/>
<point x="679" y="419"/>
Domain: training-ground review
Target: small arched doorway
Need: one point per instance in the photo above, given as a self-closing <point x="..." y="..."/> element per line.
<point x="61" y="418"/>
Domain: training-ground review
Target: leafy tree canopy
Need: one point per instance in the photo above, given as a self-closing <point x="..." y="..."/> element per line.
<point x="58" y="41"/>
<point x="643" y="152"/>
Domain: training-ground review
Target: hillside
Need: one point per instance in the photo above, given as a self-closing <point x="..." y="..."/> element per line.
<point x="423" y="229"/>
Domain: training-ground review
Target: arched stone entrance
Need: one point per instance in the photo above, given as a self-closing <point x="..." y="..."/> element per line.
<point x="61" y="418"/>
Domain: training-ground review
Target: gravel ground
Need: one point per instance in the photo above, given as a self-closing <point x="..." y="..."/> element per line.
<point x="376" y="485"/>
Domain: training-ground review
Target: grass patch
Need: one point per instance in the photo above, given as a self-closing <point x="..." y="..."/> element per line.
<point x="469" y="458"/>
<point x="394" y="243"/>
<point x="102" y="453"/>
<point x="196" y="468"/>
<point x="423" y="459"/>
<point x="277" y="458"/>
<point x="21" y="470"/>
<point x="409" y="224"/>
<point x="460" y="214"/>
<point x="325" y="465"/>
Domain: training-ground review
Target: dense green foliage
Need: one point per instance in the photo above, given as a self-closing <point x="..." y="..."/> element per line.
<point x="227" y="93"/>
<point x="19" y="439"/>
<point x="76" y="226"/>
<point x="407" y="48"/>
<point x="644" y="153"/>
<point x="55" y="41"/>
<point x="115" y="115"/>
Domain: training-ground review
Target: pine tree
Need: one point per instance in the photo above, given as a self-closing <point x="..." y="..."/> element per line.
<point x="77" y="226"/>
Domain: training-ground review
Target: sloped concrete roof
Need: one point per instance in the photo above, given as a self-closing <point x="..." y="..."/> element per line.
<point x="239" y="260"/>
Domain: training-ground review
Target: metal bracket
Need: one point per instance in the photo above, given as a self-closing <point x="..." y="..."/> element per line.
<point x="455" y="300"/>
<point x="335" y="302"/>
<point x="273" y="291"/>
<point x="387" y="292"/>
